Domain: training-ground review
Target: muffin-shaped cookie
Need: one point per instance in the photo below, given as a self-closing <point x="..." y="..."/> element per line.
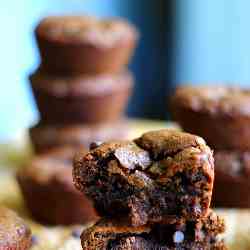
<point x="101" y="98"/>
<point x="221" y="115"/>
<point x="231" y="185"/>
<point x="85" y="45"/>
<point x="14" y="233"/>
<point x="160" y="177"/>
<point x="48" y="190"/>
<point x="111" y="235"/>
<point x="45" y="137"/>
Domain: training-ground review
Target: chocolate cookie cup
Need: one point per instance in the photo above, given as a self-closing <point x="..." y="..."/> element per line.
<point x="161" y="177"/>
<point x="231" y="185"/>
<point x="221" y="115"/>
<point x="14" y="233"/>
<point x="70" y="100"/>
<point x="85" y="45"/>
<point x="48" y="190"/>
<point x="45" y="137"/>
<point x="112" y="235"/>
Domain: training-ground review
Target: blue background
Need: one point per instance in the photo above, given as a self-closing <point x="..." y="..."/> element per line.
<point x="190" y="41"/>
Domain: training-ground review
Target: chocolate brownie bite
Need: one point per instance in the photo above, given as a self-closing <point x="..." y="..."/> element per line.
<point x="85" y="45"/>
<point x="160" y="177"/>
<point x="14" y="233"/>
<point x="231" y="185"/>
<point x="45" y="137"/>
<point x="220" y="114"/>
<point x="48" y="190"/>
<point x="111" y="235"/>
<point x="78" y="99"/>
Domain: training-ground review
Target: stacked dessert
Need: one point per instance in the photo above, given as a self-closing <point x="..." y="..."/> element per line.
<point x="221" y="115"/>
<point x="82" y="86"/>
<point x="81" y="90"/>
<point x="152" y="193"/>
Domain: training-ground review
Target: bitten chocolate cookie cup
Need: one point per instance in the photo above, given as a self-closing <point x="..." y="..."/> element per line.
<point x="46" y="137"/>
<point x="48" y="190"/>
<point x="111" y="235"/>
<point x="70" y="100"/>
<point x="14" y="233"/>
<point x="231" y="185"/>
<point x="221" y="115"/>
<point x="160" y="177"/>
<point x="85" y="45"/>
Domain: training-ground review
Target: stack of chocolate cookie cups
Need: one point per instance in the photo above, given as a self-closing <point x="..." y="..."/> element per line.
<point x="83" y="85"/>
<point x="221" y="115"/>
<point x="152" y="193"/>
<point x="81" y="89"/>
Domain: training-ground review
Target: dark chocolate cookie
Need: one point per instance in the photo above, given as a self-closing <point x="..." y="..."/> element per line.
<point x="160" y="177"/>
<point x="231" y="185"/>
<point x="45" y="137"/>
<point x="85" y="45"/>
<point x="89" y="99"/>
<point x="221" y="115"/>
<point x="185" y="235"/>
<point x="48" y="190"/>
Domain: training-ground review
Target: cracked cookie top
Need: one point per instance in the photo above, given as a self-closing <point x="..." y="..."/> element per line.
<point x="156" y="155"/>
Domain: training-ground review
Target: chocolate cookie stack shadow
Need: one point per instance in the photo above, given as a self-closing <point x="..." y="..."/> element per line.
<point x="83" y="85"/>
<point x="152" y="193"/>
<point x="221" y="115"/>
<point x="81" y="89"/>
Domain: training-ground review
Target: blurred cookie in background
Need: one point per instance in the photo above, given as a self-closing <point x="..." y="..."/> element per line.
<point x="81" y="99"/>
<point x="232" y="186"/>
<point x="220" y="114"/>
<point x="85" y="45"/>
<point x="48" y="190"/>
<point x="45" y="137"/>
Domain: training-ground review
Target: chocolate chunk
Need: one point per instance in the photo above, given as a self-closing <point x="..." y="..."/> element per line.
<point x="132" y="156"/>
